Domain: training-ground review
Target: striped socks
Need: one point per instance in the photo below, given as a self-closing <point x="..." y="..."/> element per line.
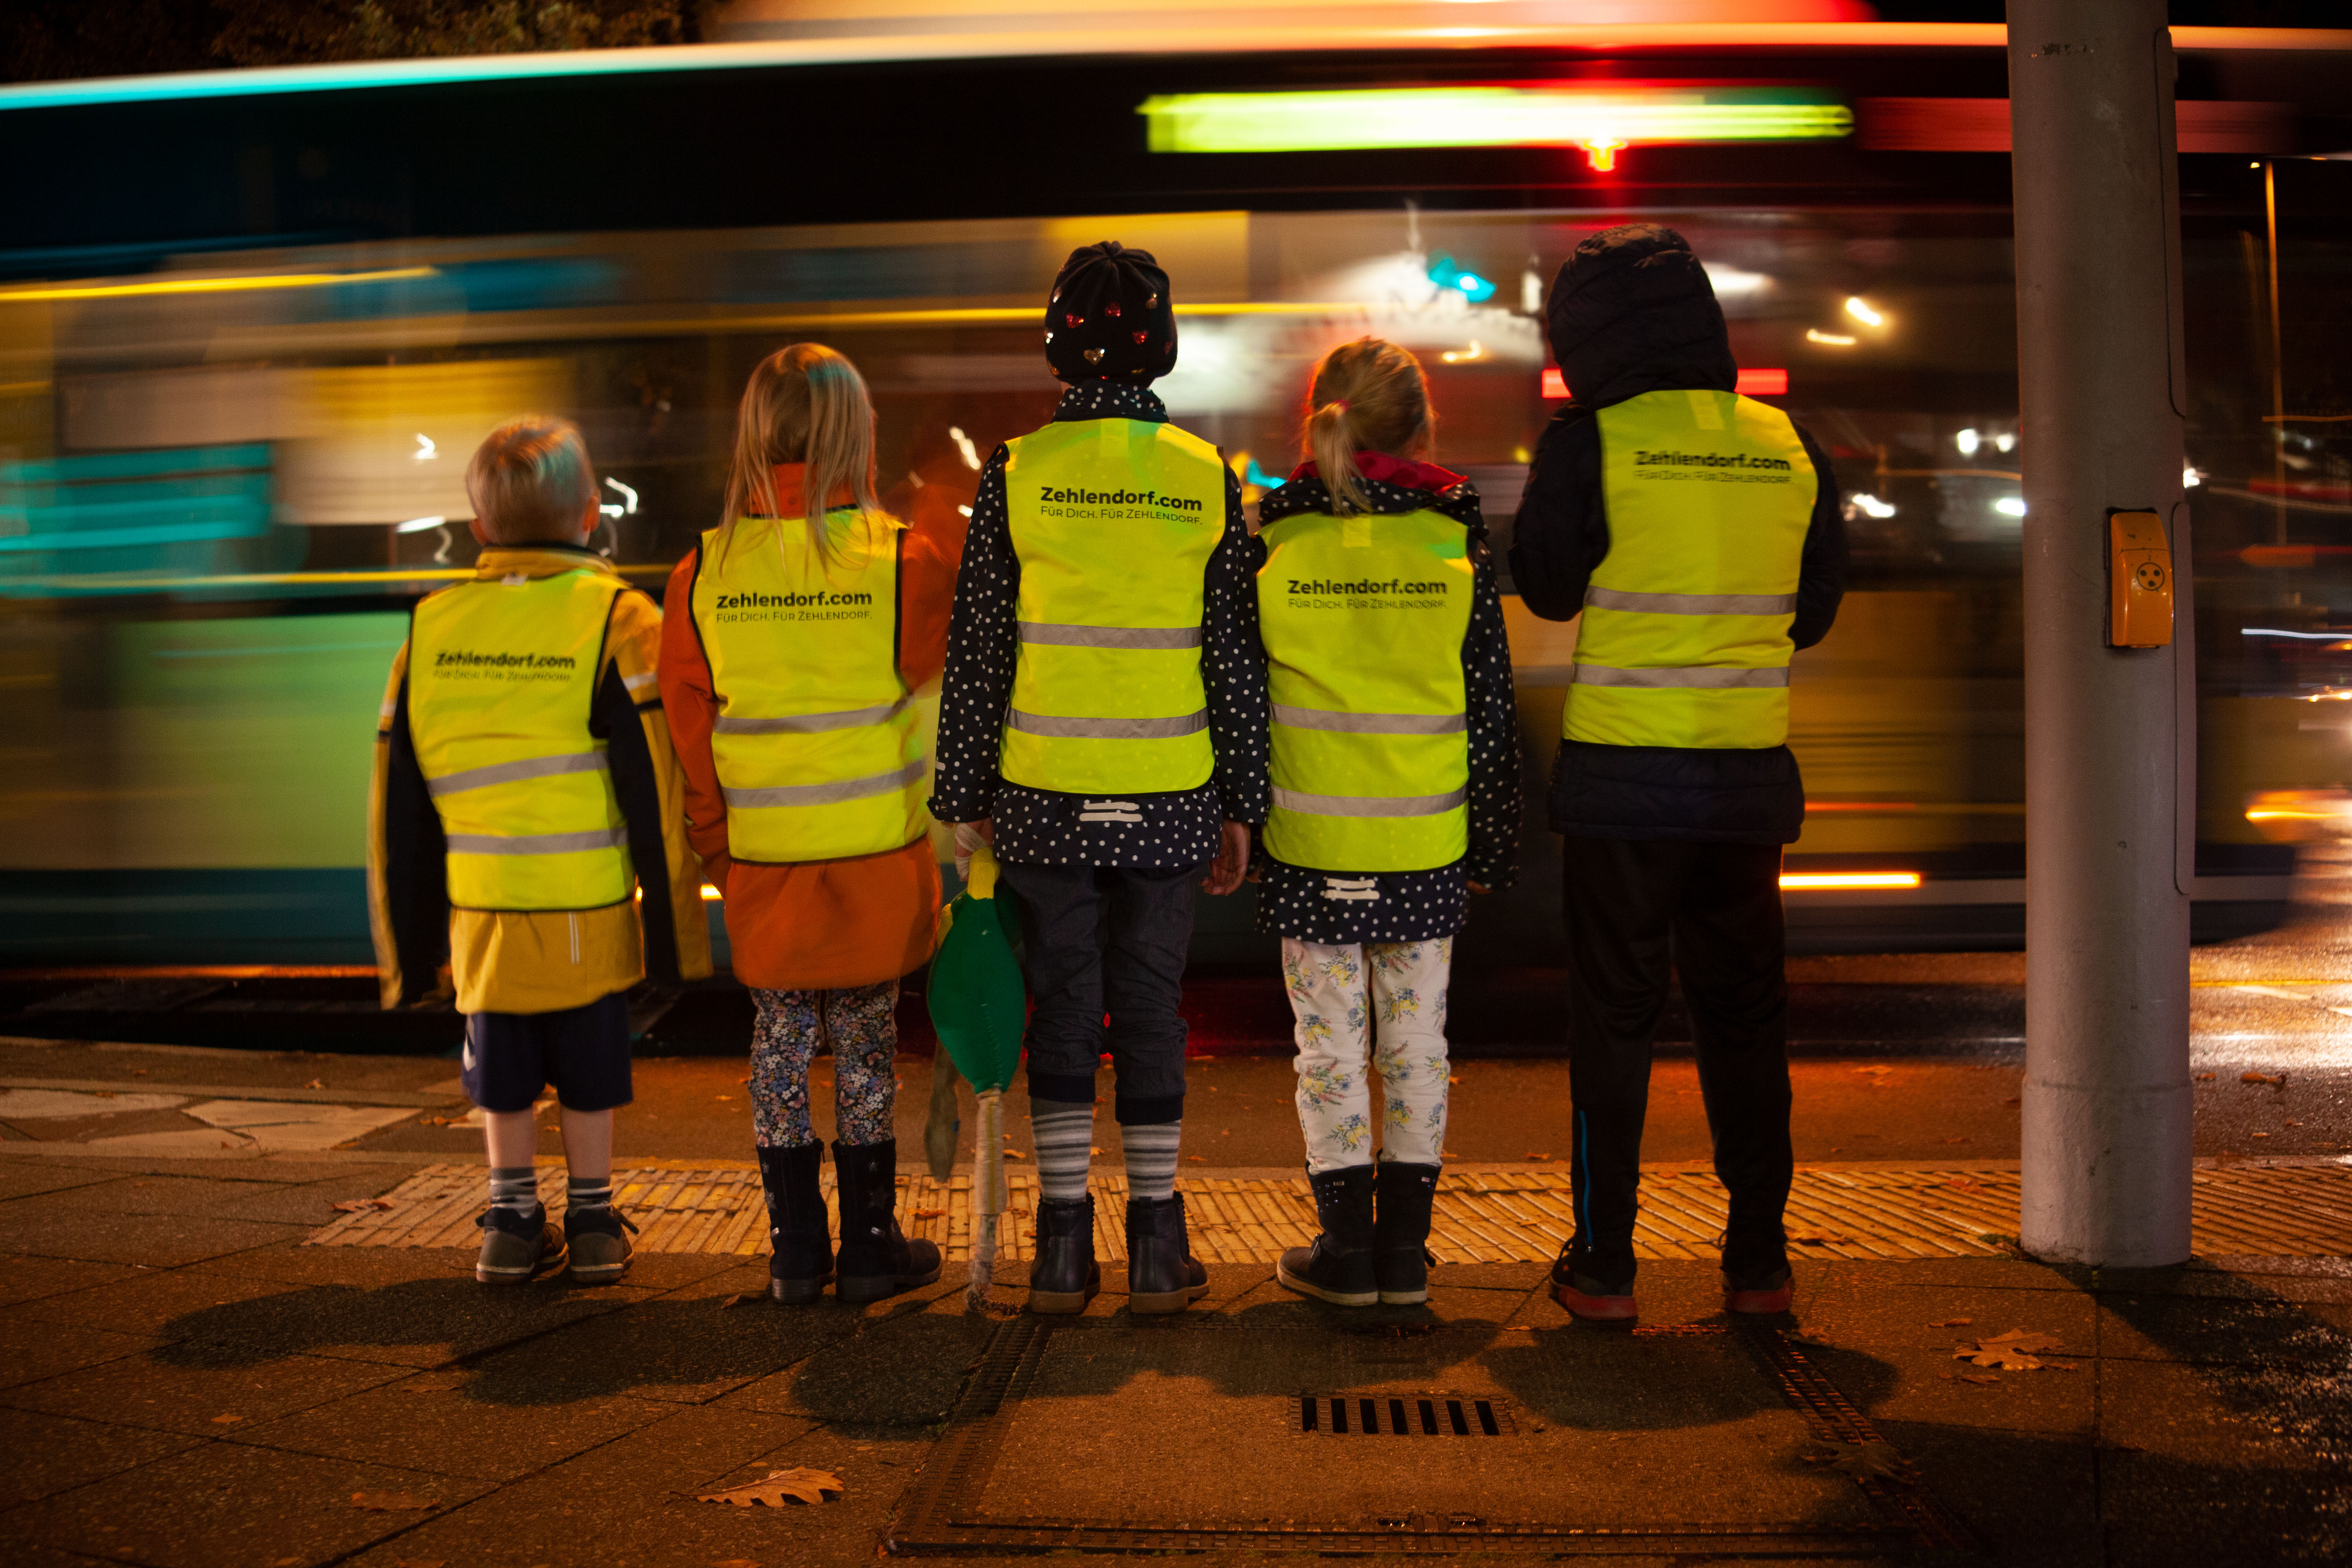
<point x="587" y="1197"/>
<point x="1062" y="1133"/>
<point x="1151" y="1159"/>
<point x="515" y="1188"/>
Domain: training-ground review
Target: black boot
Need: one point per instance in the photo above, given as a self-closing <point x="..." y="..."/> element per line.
<point x="800" y="1247"/>
<point x="1163" y="1276"/>
<point x="1338" y="1267"/>
<point x="876" y="1259"/>
<point x="1063" y="1273"/>
<point x="1400" y="1257"/>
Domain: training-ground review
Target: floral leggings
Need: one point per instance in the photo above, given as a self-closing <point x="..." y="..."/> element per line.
<point x="861" y="1023"/>
<point x="1336" y="1012"/>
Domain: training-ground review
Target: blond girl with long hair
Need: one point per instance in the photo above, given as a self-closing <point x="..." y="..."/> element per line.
<point x="1396" y="792"/>
<point x="799" y="630"/>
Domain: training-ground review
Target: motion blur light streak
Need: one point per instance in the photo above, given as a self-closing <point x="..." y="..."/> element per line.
<point x="1835" y="340"/>
<point x="209" y="286"/>
<point x="1846" y="882"/>
<point x="1871" y="506"/>
<point x="1862" y="313"/>
<point x="419" y="524"/>
<point x="1602" y="121"/>
<point x="2010" y="506"/>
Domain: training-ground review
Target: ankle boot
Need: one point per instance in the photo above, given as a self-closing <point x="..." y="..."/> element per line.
<point x="1400" y="1257"/>
<point x="800" y="1247"/>
<point x="1337" y="1267"/>
<point x="1163" y="1276"/>
<point x="1063" y="1273"/>
<point x="877" y="1260"/>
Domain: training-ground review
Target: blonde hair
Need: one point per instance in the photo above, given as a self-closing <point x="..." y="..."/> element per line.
<point x="805" y="405"/>
<point x="1366" y="395"/>
<point x="531" y="480"/>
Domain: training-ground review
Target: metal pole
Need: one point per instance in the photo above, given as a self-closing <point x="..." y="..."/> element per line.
<point x="2106" y="1134"/>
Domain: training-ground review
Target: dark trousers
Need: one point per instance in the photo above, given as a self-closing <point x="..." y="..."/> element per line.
<point x="1103" y="950"/>
<point x="1639" y="911"/>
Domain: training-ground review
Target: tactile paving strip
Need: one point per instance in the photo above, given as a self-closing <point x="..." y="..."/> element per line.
<point x="1508" y="1217"/>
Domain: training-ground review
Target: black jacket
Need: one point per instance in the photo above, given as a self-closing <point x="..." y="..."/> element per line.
<point x="1633" y="312"/>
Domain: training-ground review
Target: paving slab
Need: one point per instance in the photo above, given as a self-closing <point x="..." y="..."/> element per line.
<point x="2207" y="1328"/>
<point x="31" y="1351"/>
<point x="2162" y="1510"/>
<point x="202" y="1399"/>
<point x="225" y="1503"/>
<point x="50" y="1453"/>
<point x="23" y="1178"/>
<point x="438" y="1422"/>
<point x="25" y="1279"/>
<point x="2027" y="1500"/>
<point x="157" y="1240"/>
<point x="161" y="1303"/>
<point x="629" y="1504"/>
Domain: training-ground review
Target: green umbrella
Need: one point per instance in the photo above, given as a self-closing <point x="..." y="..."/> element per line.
<point x="981" y="1008"/>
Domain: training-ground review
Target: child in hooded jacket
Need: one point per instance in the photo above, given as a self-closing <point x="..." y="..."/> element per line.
<point x="1396" y="794"/>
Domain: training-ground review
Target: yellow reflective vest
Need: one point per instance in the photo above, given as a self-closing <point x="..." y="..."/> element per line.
<point x="1113" y="521"/>
<point x="1363" y="619"/>
<point x="1685" y="638"/>
<point x="815" y="743"/>
<point x="502" y="674"/>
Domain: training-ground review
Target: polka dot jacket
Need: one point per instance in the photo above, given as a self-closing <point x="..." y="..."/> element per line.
<point x="1155" y="831"/>
<point x="1332" y="906"/>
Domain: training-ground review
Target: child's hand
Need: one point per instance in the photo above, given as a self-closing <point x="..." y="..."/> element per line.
<point x="1233" y="860"/>
<point x="969" y="837"/>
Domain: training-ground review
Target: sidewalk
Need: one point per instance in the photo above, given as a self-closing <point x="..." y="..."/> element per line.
<point x="189" y="1381"/>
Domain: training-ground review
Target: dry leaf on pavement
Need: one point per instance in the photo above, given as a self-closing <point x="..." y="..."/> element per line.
<point x="1953" y="1323"/>
<point x="804" y="1485"/>
<point x="1874" y="1460"/>
<point x="2011" y="1351"/>
<point x="363" y="1205"/>
<point x="392" y="1502"/>
<point x="2278" y="1080"/>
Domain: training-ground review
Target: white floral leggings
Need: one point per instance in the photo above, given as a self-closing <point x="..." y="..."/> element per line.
<point x="1341" y="1009"/>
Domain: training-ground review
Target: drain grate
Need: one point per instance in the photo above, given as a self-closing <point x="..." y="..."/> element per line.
<point x="1401" y="1415"/>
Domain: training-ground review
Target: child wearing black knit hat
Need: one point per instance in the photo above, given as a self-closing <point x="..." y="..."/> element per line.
<point x="1103" y="723"/>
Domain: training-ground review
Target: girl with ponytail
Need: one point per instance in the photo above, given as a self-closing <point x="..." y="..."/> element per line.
<point x="1396" y="794"/>
<point x="796" y="636"/>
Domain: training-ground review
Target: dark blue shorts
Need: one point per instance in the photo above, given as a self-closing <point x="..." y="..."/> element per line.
<point x="583" y="1051"/>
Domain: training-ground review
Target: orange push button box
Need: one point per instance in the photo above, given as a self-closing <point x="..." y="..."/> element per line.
<point x="2140" y="581"/>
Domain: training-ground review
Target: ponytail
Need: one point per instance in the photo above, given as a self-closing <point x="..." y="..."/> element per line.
<point x="1367" y="395"/>
<point x="804" y="404"/>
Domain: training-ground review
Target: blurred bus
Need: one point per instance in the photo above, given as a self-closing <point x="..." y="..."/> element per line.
<point x="252" y="324"/>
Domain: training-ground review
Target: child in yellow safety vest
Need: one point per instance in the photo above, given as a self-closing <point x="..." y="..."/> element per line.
<point x="799" y="630"/>
<point x="527" y="843"/>
<point x="1103" y="717"/>
<point x="1396" y="794"/>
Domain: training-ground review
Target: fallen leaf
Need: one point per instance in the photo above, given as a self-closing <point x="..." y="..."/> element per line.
<point x="724" y="1097"/>
<point x="316" y="1083"/>
<point x="226" y="1420"/>
<point x="1874" y="1460"/>
<point x="806" y="1485"/>
<point x="2292" y="1123"/>
<point x="1015" y="1154"/>
<point x="392" y="1502"/>
<point x="1198" y="1159"/>
<point x="2204" y="1078"/>
<point x="2261" y="1134"/>
<point x="1954" y="1323"/>
<point x="2277" y="1080"/>
<point x="1539" y="1156"/>
<point x="1979" y="1377"/>
<point x="929" y="1213"/>
<point x="1965" y="1184"/>
<point x="363" y="1205"/>
<point x="2011" y="1351"/>
<point x="1956" y="1140"/>
<point x="735" y="1563"/>
<point x="726" y="1301"/>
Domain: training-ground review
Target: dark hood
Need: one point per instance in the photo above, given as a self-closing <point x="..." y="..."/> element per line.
<point x="1631" y="311"/>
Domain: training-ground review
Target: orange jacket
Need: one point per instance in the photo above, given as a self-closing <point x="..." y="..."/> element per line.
<point x="818" y="924"/>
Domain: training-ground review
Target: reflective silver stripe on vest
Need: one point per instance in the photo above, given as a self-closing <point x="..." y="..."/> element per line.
<point x="828" y="793"/>
<point x="1371" y="724"/>
<point x="539" y="843"/>
<point x="1058" y="635"/>
<point x="1693" y="604"/>
<point x="813" y="723"/>
<point x="1698" y="675"/>
<point x="465" y="779"/>
<point x="1369" y="805"/>
<point x="1105" y="729"/>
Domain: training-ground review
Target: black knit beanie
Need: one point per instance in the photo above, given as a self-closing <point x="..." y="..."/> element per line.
<point x="1109" y="318"/>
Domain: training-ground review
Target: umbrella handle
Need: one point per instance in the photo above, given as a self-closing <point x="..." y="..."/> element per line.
<point x="981" y="882"/>
<point x="990" y="1191"/>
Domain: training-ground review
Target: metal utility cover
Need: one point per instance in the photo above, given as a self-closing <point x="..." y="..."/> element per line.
<point x="1107" y="1433"/>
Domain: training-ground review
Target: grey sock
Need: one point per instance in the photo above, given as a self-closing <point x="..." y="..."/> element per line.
<point x="514" y="1187"/>
<point x="585" y="1196"/>
<point x="1151" y="1159"/>
<point x="1063" y="1134"/>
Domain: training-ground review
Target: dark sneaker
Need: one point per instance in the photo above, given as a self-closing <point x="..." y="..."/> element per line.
<point x="598" y="1240"/>
<point x="1063" y="1273"/>
<point x="1337" y="1267"/>
<point x="517" y="1248"/>
<point x="1765" y="1294"/>
<point x="1589" y="1298"/>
